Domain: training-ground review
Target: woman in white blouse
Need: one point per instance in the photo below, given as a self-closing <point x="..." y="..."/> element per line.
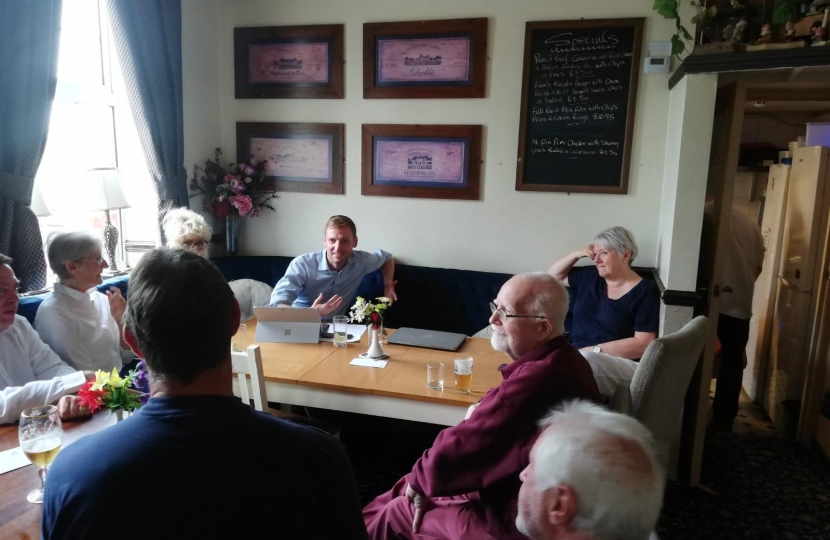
<point x="79" y="323"/>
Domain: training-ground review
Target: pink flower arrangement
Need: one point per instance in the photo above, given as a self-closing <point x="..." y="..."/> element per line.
<point x="241" y="189"/>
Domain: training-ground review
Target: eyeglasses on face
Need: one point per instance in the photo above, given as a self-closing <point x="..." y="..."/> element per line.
<point x="503" y="314"/>
<point x="99" y="261"/>
<point x="195" y="244"/>
<point x="5" y="290"/>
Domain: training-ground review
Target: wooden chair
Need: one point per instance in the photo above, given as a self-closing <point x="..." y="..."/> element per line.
<point x="248" y="364"/>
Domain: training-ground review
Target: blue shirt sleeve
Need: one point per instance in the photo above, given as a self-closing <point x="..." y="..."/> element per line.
<point x="370" y="261"/>
<point x="579" y="275"/>
<point x="291" y="284"/>
<point x="647" y="313"/>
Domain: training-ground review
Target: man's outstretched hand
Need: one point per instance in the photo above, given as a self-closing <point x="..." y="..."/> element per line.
<point x="327" y="307"/>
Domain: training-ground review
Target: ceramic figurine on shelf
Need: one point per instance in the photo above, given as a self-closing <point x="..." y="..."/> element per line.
<point x="818" y="6"/>
<point x="739" y="35"/>
<point x="766" y="34"/>
<point x="788" y="33"/>
<point x="818" y="33"/>
<point x="729" y="29"/>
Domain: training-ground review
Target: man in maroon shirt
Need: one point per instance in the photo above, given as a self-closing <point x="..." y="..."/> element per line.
<point x="467" y="484"/>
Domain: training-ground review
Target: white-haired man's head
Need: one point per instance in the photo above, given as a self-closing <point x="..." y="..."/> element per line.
<point x="185" y="229"/>
<point x="530" y="310"/>
<point x="593" y="474"/>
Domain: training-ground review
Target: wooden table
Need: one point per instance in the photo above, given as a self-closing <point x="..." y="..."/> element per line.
<point x="20" y="519"/>
<point x="319" y="375"/>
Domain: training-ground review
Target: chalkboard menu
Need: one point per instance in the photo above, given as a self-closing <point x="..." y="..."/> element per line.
<point x="579" y="91"/>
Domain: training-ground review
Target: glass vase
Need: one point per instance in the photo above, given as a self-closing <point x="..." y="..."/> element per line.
<point x="232" y="234"/>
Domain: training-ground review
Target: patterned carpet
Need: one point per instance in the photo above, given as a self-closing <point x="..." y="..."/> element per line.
<point x="762" y="487"/>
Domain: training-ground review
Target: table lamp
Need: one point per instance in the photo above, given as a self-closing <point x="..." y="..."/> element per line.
<point x="102" y="191"/>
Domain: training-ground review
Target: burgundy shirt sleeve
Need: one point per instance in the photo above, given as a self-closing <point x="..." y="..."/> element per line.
<point x="495" y="441"/>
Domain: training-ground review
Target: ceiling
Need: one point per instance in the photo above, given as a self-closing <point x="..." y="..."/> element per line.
<point x="806" y="91"/>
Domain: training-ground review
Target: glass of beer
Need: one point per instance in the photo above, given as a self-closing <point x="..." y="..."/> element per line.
<point x="341" y="330"/>
<point x="463" y="368"/>
<point x="40" y="439"/>
<point x="240" y="339"/>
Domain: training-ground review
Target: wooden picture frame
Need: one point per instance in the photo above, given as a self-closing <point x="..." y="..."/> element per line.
<point x="389" y="73"/>
<point x="288" y="62"/>
<point x="604" y="56"/>
<point x="423" y="161"/>
<point x="300" y="157"/>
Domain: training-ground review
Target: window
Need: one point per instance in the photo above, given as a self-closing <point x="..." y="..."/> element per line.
<point x="91" y="128"/>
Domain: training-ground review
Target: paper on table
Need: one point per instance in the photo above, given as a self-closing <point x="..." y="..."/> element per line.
<point x="356" y="332"/>
<point x="13" y="459"/>
<point x="368" y="362"/>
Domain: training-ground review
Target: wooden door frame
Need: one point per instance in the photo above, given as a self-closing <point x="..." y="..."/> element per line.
<point x="730" y="102"/>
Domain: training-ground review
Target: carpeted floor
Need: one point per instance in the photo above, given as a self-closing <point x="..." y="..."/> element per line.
<point x="763" y="487"/>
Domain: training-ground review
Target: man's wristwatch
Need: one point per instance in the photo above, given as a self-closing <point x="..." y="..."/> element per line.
<point x="597" y="348"/>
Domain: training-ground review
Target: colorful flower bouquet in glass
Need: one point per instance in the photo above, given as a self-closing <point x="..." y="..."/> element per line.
<point x="240" y="190"/>
<point x="116" y="393"/>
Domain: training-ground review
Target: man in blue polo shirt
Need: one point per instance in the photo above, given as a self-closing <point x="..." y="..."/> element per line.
<point x="195" y="462"/>
<point x="325" y="279"/>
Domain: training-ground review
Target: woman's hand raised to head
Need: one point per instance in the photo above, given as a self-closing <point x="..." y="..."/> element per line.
<point x="587" y="251"/>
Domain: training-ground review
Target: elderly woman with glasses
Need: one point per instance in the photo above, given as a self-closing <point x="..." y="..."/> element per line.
<point x="82" y="325"/>
<point x="615" y="312"/>
<point x="187" y="230"/>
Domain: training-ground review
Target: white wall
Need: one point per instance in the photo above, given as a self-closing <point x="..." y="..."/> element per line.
<point x="506" y="230"/>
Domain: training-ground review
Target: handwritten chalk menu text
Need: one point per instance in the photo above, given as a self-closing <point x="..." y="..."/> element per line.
<point x="578" y="96"/>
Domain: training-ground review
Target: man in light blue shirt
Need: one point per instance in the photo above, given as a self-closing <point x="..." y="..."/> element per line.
<point x="325" y="279"/>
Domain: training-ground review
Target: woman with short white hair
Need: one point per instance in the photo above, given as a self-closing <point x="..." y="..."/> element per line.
<point x="615" y="313"/>
<point x="187" y="230"/>
<point x="82" y="325"/>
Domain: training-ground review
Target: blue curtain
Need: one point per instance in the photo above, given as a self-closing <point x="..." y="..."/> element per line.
<point x="29" y="38"/>
<point x="148" y="38"/>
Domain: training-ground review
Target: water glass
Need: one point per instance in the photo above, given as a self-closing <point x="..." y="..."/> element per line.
<point x="463" y="368"/>
<point x="40" y="436"/>
<point x="341" y="330"/>
<point x="435" y="375"/>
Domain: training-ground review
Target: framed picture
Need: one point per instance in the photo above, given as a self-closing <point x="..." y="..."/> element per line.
<point x="299" y="157"/>
<point x="425" y="59"/>
<point x="288" y="62"/>
<point x="436" y="162"/>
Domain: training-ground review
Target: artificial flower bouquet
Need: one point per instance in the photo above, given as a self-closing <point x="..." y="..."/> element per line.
<point x="370" y="312"/>
<point x="240" y="189"/>
<point x="113" y="392"/>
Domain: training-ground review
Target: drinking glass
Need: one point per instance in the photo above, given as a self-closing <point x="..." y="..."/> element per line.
<point x="463" y="368"/>
<point x="435" y="375"/>
<point x="40" y="439"/>
<point x="341" y="330"/>
<point x="239" y="340"/>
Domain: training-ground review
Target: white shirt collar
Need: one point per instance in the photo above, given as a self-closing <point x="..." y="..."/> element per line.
<point x="72" y="293"/>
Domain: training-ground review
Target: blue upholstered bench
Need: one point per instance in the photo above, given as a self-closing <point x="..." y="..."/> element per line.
<point x="431" y="298"/>
<point x="29" y="304"/>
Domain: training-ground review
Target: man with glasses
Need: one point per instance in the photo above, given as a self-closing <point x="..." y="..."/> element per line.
<point x="30" y="372"/>
<point x="467" y="484"/>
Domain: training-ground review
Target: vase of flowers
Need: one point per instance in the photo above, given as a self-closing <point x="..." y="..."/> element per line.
<point x="372" y="314"/>
<point x="121" y="395"/>
<point x="231" y="193"/>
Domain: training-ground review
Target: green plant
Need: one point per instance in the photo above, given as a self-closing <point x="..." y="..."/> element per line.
<point x="783" y="14"/>
<point x="670" y="9"/>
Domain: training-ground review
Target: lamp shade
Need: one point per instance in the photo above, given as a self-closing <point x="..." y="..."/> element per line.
<point x="98" y="189"/>
<point x="38" y="205"/>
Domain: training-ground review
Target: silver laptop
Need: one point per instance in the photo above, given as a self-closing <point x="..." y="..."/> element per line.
<point x="431" y="339"/>
<point x="287" y="325"/>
